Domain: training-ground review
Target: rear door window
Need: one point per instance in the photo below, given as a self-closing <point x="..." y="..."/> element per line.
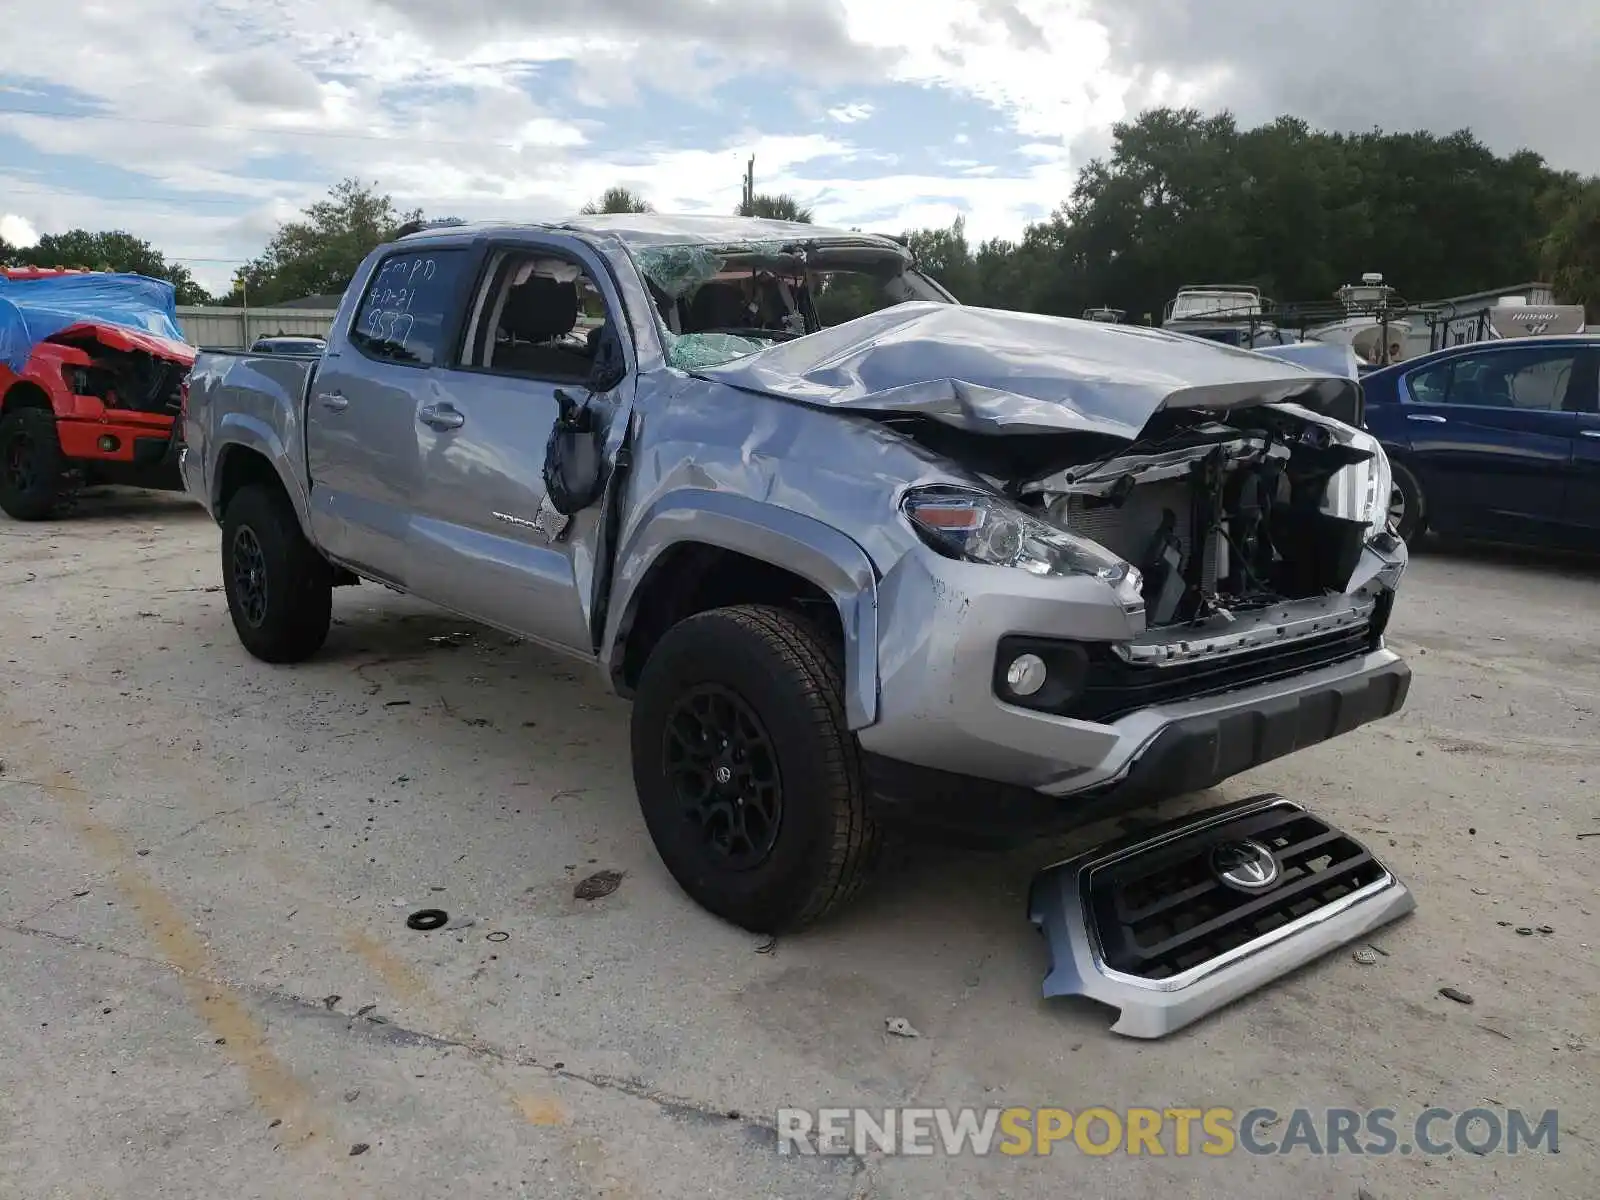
<point x="407" y="306"/>
<point x="1535" y="379"/>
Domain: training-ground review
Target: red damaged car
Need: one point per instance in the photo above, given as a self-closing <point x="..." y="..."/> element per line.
<point x="92" y="370"/>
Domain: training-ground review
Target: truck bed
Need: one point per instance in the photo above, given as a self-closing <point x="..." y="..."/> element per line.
<point x="260" y="398"/>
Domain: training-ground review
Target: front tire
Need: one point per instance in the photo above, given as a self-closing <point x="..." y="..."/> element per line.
<point x="279" y="588"/>
<point x="1407" y="508"/>
<point x="32" y="468"/>
<point x="748" y="775"/>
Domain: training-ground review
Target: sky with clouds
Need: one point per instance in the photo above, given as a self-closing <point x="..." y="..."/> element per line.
<point x="201" y="124"/>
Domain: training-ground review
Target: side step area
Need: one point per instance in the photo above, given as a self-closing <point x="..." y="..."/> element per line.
<point x="1177" y="921"/>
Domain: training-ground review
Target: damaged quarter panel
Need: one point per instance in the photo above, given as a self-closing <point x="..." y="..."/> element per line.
<point x="774" y="481"/>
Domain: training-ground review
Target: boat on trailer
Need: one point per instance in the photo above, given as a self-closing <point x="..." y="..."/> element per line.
<point x="1105" y="316"/>
<point x="1366" y="322"/>
<point x="1233" y="314"/>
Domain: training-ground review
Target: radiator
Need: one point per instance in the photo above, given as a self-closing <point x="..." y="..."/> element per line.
<point x="1126" y="530"/>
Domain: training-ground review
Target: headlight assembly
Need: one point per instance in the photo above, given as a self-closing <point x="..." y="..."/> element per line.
<point x="982" y="528"/>
<point x="1381" y="487"/>
<point x="1360" y="491"/>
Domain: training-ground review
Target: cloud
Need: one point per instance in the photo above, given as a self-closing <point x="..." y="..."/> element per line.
<point x="266" y="79"/>
<point x="810" y="34"/>
<point x="849" y="114"/>
<point x="1519" y="75"/>
<point x="1025" y="33"/>
<point x="17" y="231"/>
<point x="492" y="108"/>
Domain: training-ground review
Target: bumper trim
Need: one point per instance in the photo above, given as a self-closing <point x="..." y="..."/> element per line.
<point x="1059" y="906"/>
<point x="1196" y="752"/>
<point x="1183" y="749"/>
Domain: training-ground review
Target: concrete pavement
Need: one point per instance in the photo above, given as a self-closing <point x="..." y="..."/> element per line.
<point x="209" y="988"/>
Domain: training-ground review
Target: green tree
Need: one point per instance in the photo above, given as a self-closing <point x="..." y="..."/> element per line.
<point x="779" y="207"/>
<point x="1571" y="251"/>
<point x="106" y="251"/>
<point x="318" y="253"/>
<point x="617" y="200"/>
<point x="945" y="255"/>
<point x="1186" y="197"/>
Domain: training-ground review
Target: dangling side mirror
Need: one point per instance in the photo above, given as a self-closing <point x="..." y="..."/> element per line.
<point x="609" y="366"/>
<point x="574" y="457"/>
<point x="572" y="414"/>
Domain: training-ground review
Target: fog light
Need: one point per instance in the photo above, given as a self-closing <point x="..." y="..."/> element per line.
<point x="108" y="443"/>
<point x="1025" y="675"/>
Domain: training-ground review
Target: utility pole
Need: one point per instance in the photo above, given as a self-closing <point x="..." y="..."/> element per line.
<point x="749" y="199"/>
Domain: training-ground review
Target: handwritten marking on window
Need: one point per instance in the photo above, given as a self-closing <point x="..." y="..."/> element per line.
<point x="389" y="318"/>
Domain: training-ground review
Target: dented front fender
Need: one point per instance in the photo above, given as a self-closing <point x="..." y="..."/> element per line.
<point x="816" y="552"/>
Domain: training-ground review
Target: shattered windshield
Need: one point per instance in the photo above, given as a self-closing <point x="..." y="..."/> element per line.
<point x="717" y="303"/>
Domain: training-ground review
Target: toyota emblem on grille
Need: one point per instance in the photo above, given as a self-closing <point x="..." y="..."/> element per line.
<point x="1245" y="864"/>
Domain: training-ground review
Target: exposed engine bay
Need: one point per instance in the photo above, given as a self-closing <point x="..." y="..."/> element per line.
<point x="1225" y="514"/>
<point x="126" y="379"/>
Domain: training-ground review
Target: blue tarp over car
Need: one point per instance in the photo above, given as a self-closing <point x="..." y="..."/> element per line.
<point x="32" y="310"/>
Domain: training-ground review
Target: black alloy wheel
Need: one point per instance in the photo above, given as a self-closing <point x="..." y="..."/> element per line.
<point x="279" y="587"/>
<point x="749" y="776"/>
<point x="249" y="576"/>
<point x="33" y="473"/>
<point x="724" y="771"/>
<point x="20" y="474"/>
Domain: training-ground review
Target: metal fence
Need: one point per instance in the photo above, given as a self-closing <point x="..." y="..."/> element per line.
<point x="237" y="328"/>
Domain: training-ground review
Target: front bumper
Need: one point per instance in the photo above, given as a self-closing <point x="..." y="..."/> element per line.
<point x="943" y="621"/>
<point x="145" y="454"/>
<point x="1201" y="749"/>
<point x="131" y="438"/>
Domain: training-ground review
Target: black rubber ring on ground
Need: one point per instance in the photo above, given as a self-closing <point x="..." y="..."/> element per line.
<point x="427" y="918"/>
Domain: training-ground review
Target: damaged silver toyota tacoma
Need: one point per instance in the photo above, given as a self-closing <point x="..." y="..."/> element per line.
<point x="858" y="553"/>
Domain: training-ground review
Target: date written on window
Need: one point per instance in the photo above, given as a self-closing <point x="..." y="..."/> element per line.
<point x="394" y="290"/>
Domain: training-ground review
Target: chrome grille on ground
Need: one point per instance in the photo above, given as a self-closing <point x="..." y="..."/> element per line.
<point x="1162" y="913"/>
<point x="1175" y="922"/>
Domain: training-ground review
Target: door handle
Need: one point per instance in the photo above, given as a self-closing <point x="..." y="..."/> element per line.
<point x="1431" y="418"/>
<point x="333" y="401"/>
<point x="440" y="416"/>
<point x="1594" y="433"/>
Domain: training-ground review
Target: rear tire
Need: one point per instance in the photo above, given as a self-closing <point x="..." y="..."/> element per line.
<point x="279" y="588"/>
<point x="773" y="831"/>
<point x="32" y="467"/>
<point x="1408" y="498"/>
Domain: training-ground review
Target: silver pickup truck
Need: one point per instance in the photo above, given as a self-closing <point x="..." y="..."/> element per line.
<point x="857" y="553"/>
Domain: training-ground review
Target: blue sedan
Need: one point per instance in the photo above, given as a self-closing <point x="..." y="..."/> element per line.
<point x="1495" y="440"/>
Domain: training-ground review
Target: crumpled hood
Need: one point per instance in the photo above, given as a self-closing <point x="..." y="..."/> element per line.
<point x="990" y="371"/>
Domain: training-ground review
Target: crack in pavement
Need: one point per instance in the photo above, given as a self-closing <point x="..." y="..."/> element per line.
<point x="671" y="1104"/>
<point x="289" y="797"/>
